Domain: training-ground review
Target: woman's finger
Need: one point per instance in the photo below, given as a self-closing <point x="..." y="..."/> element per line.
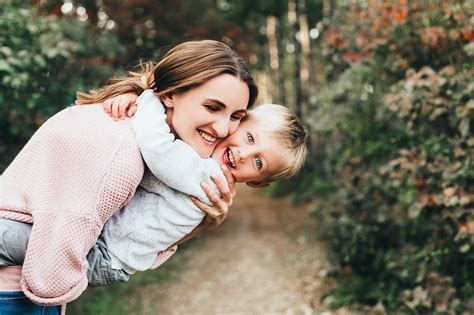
<point x="223" y="189"/>
<point x="201" y="205"/>
<point x="230" y="180"/>
<point x="210" y="212"/>
<point x="212" y="218"/>
<point x="214" y="198"/>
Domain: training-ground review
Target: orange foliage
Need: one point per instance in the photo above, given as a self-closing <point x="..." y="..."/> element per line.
<point x="401" y="15"/>
<point x="335" y="39"/>
<point x="433" y="36"/>
<point x="352" y="56"/>
<point x="422" y="25"/>
<point x="467" y="33"/>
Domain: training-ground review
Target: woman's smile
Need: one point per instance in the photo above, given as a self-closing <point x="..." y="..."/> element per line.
<point x="208" y="113"/>
<point x="207" y="137"/>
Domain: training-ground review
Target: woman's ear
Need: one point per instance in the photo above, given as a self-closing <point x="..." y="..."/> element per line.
<point x="168" y="100"/>
<point x="257" y="184"/>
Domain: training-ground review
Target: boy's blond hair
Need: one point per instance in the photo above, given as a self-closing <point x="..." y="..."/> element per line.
<point x="285" y="128"/>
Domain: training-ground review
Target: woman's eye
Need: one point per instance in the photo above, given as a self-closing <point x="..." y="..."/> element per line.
<point x="258" y="162"/>
<point x="236" y="117"/>
<point x="212" y="108"/>
<point x="250" y="138"/>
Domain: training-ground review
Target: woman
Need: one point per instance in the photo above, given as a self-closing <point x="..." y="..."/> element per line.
<point x="81" y="167"/>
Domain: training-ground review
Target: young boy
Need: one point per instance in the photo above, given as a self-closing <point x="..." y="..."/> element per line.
<point x="269" y="144"/>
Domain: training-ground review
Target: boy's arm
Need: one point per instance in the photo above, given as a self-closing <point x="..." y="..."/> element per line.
<point x="172" y="161"/>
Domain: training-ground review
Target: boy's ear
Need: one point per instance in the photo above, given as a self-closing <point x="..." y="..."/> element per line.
<point x="168" y="100"/>
<point x="258" y="184"/>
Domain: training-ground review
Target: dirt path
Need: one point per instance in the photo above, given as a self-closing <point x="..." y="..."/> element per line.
<point x="257" y="262"/>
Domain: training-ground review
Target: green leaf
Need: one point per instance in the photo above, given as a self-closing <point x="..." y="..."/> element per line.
<point x="465" y="248"/>
<point x="4" y="66"/>
<point x="464" y="127"/>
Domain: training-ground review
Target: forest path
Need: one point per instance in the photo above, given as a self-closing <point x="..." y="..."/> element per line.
<point x="262" y="260"/>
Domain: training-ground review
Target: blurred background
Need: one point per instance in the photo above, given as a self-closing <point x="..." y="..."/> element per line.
<point x="385" y="89"/>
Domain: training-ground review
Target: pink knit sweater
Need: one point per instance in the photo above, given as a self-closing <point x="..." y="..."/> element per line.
<point x="73" y="174"/>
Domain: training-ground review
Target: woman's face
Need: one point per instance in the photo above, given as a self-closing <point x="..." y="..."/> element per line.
<point x="203" y="116"/>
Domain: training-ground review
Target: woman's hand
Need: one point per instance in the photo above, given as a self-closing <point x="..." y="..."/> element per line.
<point x="121" y="106"/>
<point x="216" y="214"/>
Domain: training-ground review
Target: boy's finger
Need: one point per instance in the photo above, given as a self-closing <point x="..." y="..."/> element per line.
<point x="122" y="108"/>
<point x="106" y="105"/>
<point x="115" y="111"/>
<point x="132" y="111"/>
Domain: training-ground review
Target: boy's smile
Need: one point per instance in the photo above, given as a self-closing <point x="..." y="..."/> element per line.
<point x="251" y="153"/>
<point x="229" y="158"/>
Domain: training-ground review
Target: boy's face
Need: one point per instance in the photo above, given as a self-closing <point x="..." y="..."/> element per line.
<point x="250" y="153"/>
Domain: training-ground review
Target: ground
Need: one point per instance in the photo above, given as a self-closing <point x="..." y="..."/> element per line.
<point x="264" y="259"/>
<point x="258" y="262"/>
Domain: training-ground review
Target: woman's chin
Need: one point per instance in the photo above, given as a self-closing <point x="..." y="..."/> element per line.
<point x="204" y="151"/>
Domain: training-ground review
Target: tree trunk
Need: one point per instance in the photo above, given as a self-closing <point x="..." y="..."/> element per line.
<point x="274" y="62"/>
<point x="281" y="61"/>
<point x="329" y="7"/>
<point x="307" y="74"/>
<point x="293" y="20"/>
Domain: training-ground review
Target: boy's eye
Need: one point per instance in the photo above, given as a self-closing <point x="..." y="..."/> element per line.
<point x="258" y="162"/>
<point x="250" y="138"/>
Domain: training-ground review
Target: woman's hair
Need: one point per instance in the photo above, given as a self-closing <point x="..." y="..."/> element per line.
<point x="182" y="68"/>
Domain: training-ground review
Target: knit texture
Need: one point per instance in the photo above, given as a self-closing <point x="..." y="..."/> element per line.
<point x="74" y="173"/>
<point x="161" y="211"/>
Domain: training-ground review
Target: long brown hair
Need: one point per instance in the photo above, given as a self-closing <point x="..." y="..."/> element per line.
<point x="182" y="68"/>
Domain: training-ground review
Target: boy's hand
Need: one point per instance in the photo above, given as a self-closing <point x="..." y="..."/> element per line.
<point x="121" y="106"/>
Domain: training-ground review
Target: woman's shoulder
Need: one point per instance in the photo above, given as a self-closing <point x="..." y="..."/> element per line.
<point x="87" y="122"/>
<point x="86" y="135"/>
<point x="90" y="112"/>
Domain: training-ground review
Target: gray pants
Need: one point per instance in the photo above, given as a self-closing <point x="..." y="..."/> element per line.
<point x="14" y="237"/>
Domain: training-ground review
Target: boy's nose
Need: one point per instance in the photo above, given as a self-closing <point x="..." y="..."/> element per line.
<point x="244" y="154"/>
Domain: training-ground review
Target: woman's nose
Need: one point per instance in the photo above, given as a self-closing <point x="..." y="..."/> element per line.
<point x="221" y="127"/>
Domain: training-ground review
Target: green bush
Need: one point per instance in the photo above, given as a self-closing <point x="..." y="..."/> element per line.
<point x="408" y="223"/>
<point x="44" y="60"/>
<point x="395" y="139"/>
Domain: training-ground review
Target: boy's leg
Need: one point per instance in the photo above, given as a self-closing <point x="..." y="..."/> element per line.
<point x="100" y="272"/>
<point x="14" y="237"/>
